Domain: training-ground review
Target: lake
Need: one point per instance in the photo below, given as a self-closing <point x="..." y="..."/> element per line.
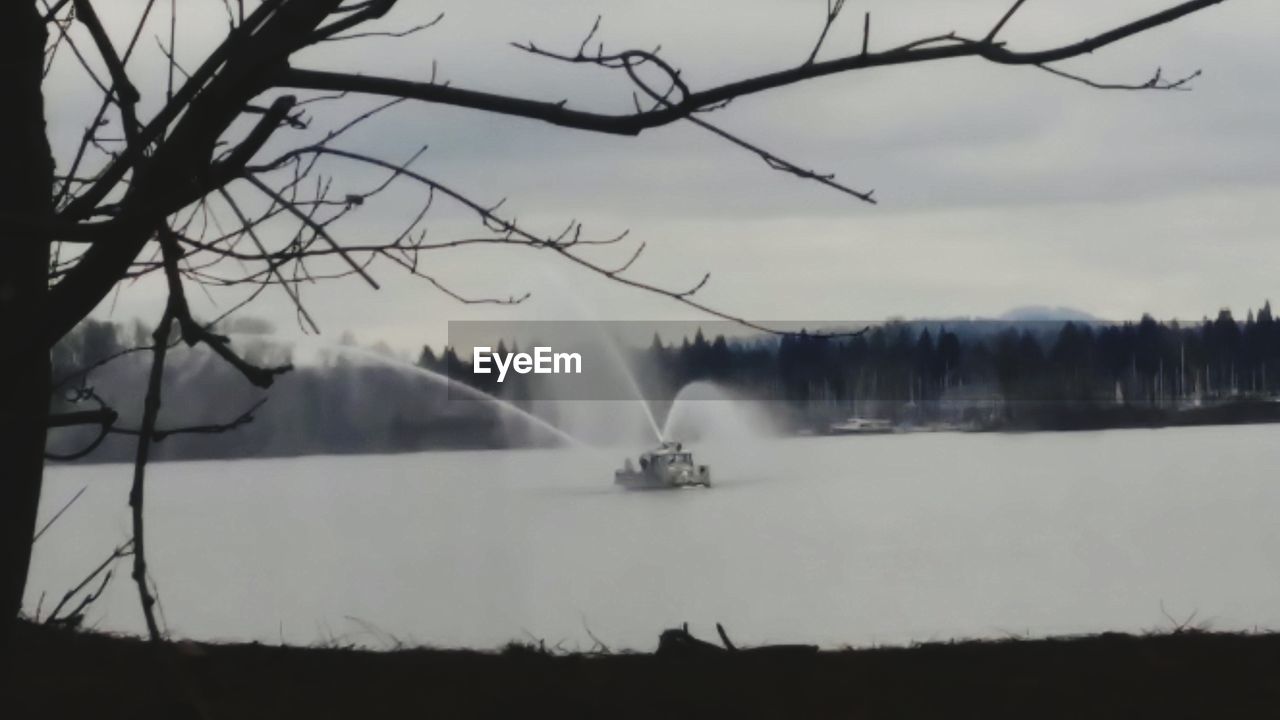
<point x="854" y="540"/>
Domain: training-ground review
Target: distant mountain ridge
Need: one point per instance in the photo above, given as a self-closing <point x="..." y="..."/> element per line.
<point x="1022" y="314"/>
<point x="1044" y="313"/>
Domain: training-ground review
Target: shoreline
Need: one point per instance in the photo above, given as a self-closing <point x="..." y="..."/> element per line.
<point x="1182" y="673"/>
<point x="1095" y="418"/>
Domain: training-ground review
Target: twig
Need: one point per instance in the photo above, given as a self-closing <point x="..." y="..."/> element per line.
<point x="833" y="12"/>
<point x="991" y="36"/>
<point x="724" y="638"/>
<point x="1156" y="81"/>
<point x="58" y="514"/>
<point x="150" y="410"/>
<point x="116" y="554"/>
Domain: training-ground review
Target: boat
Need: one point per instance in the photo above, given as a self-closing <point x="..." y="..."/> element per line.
<point x="861" y="426"/>
<point x="668" y="466"/>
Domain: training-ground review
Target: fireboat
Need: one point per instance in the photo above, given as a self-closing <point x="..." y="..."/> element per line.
<point x="668" y="466"/>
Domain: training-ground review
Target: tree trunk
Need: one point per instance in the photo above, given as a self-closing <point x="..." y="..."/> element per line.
<point x="26" y="187"/>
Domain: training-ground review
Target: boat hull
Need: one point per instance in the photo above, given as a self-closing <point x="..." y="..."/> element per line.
<point x="860" y="431"/>
<point x="647" y="481"/>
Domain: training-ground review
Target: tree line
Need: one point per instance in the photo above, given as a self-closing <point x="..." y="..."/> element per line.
<point x="355" y="400"/>
<point x="1144" y="363"/>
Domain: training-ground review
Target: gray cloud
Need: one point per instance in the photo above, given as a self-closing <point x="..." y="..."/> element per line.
<point x="999" y="186"/>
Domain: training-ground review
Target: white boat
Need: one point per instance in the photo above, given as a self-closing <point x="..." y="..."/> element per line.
<point x="669" y="466"/>
<point x="861" y="426"/>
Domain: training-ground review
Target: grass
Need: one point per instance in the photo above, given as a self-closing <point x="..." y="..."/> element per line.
<point x="69" y="674"/>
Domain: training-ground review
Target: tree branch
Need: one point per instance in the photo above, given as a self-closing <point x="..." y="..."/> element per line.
<point x="150" y="411"/>
<point x="632" y="124"/>
<point x="193" y="332"/>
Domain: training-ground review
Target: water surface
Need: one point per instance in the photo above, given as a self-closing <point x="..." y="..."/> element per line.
<point x="858" y="540"/>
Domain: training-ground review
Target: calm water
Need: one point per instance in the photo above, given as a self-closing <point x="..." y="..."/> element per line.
<point x="861" y="540"/>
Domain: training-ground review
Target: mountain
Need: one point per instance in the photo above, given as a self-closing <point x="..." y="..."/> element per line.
<point x="1042" y="313"/>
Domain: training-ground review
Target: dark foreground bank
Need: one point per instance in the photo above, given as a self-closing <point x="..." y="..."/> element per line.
<point x="61" y="674"/>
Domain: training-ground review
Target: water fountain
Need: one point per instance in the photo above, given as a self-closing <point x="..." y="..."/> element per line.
<point x="701" y="411"/>
<point x="613" y="348"/>
<point x="616" y="352"/>
<point x="706" y="412"/>
<point x="504" y="408"/>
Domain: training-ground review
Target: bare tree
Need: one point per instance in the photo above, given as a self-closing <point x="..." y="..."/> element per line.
<point x="189" y="193"/>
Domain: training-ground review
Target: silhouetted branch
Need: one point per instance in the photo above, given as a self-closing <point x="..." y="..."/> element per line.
<point x="76" y="617"/>
<point x="84" y="371"/>
<point x="104" y="419"/>
<point x="1156" y="82"/>
<point x="125" y="92"/>
<point x="412" y="267"/>
<point x="630" y="124"/>
<point x="315" y="227"/>
<point x="107" y="100"/>
<point x="273" y="266"/>
<point x="166" y="165"/>
<point x="991" y="36"/>
<point x="724" y="638"/>
<point x="193" y="332"/>
<point x="160" y="434"/>
<point x="104" y="416"/>
<point x="359" y="13"/>
<point x="413" y="30"/>
<point x="508" y="231"/>
<point x="833" y="12"/>
<point x="233" y="163"/>
<point x="150" y="411"/>
<point x="51" y="11"/>
<point x="48" y="524"/>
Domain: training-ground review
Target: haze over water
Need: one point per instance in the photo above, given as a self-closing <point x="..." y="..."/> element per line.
<point x="858" y="540"/>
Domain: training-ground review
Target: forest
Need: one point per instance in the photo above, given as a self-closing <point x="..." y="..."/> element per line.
<point x="977" y="374"/>
<point x="968" y="363"/>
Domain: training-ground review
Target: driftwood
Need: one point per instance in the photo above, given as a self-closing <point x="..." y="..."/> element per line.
<point x="680" y="643"/>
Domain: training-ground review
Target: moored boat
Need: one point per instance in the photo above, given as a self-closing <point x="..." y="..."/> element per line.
<point x="861" y="426"/>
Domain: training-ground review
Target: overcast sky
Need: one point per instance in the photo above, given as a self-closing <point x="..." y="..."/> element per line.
<point x="998" y="186"/>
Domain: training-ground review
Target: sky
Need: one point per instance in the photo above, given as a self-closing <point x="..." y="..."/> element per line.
<point x="998" y="187"/>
